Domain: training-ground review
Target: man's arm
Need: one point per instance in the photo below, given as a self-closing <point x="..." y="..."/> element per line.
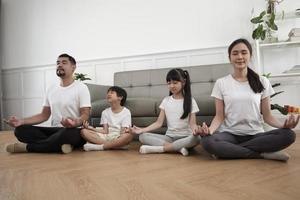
<point x="36" y="119"/>
<point x="84" y="114"/>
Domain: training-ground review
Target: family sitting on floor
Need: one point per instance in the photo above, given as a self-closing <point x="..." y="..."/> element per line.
<point x="232" y="134"/>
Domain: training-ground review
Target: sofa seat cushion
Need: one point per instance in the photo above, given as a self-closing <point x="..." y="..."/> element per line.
<point x="142" y="107"/>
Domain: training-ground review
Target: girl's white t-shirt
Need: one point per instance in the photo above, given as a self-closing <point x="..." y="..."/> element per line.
<point x="116" y="121"/>
<point x="242" y="106"/>
<point x="174" y="109"/>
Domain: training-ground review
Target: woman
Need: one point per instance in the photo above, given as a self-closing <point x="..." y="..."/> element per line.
<point x="242" y="102"/>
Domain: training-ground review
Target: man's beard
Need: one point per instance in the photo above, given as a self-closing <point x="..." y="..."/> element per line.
<point x="60" y="72"/>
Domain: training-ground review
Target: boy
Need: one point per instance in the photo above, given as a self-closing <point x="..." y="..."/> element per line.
<point x="116" y="121"/>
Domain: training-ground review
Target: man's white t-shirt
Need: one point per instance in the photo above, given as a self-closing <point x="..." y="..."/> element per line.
<point x="242" y="105"/>
<point x="174" y="109"/>
<point x="66" y="101"/>
<point x="116" y="121"/>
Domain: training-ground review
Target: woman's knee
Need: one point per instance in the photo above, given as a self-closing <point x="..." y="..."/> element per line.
<point x="289" y="135"/>
<point x="208" y="143"/>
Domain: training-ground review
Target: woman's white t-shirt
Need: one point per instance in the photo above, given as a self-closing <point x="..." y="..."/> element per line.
<point x="174" y="109"/>
<point x="242" y="106"/>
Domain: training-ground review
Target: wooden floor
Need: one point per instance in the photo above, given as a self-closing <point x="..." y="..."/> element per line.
<point x="128" y="175"/>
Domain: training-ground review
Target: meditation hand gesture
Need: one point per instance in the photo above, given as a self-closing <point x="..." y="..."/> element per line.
<point x="291" y="122"/>
<point x="70" y="123"/>
<point x="136" y="130"/>
<point x="202" y="131"/>
<point x="127" y="130"/>
<point x="14" y="122"/>
<point x="85" y="124"/>
<point x="205" y="130"/>
<point x="196" y="130"/>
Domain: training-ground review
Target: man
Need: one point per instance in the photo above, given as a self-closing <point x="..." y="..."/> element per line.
<point x="68" y="103"/>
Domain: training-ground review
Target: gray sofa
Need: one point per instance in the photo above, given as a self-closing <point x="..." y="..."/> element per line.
<point x="147" y="88"/>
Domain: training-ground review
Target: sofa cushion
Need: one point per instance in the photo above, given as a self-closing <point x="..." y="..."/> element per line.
<point x="138" y="106"/>
<point x="142" y="107"/>
<point x="98" y="106"/>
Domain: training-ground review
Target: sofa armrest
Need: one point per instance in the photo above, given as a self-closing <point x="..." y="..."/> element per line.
<point x="97" y="92"/>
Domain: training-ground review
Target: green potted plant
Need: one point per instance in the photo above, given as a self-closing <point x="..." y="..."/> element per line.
<point x="81" y="77"/>
<point x="265" y="23"/>
<point x="281" y="109"/>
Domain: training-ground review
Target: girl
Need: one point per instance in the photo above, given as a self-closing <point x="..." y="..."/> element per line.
<point x="240" y="99"/>
<point x="179" y="109"/>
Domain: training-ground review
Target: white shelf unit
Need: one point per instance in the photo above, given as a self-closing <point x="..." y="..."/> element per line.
<point x="260" y="46"/>
<point x="288" y="15"/>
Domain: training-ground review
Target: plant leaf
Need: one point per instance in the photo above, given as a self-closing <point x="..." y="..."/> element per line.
<point x="256" y="20"/>
<point x="276" y="85"/>
<point x="276" y="93"/>
<point x="263" y="13"/>
<point x="254" y="34"/>
<point x="272" y="18"/>
<point x="281" y="109"/>
<point x="267" y="75"/>
<point x="263" y="34"/>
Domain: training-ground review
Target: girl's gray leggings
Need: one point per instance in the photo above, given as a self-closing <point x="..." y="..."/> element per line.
<point x="177" y="142"/>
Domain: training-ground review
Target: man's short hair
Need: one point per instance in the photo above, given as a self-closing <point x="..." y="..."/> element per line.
<point x="71" y="59"/>
<point x="120" y="93"/>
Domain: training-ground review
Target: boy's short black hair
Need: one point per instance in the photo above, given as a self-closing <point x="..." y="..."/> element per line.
<point x="120" y="93"/>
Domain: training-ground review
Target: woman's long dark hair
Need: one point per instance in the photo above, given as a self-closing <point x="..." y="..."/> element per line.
<point x="253" y="77"/>
<point x="182" y="76"/>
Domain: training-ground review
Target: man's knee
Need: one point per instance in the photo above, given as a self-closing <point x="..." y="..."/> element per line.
<point x="21" y="130"/>
<point x="70" y="134"/>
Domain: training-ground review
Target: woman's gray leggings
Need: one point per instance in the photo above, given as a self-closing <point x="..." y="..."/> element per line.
<point x="177" y="142"/>
<point x="228" y="145"/>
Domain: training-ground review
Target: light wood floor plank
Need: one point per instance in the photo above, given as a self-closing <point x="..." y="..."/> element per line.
<point x="128" y="175"/>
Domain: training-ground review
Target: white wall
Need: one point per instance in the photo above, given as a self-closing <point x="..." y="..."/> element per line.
<point x="35" y="31"/>
<point x="1" y="113"/>
<point x="116" y="35"/>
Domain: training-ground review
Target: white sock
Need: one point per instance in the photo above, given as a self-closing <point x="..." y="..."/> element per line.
<point x="184" y="151"/>
<point x="93" y="147"/>
<point x="144" y="149"/>
<point x="278" y="155"/>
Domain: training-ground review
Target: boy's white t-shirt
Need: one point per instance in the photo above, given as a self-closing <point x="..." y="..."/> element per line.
<point x="174" y="109"/>
<point x="66" y="101"/>
<point x="242" y="105"/>
<point x="116" y="121"/>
